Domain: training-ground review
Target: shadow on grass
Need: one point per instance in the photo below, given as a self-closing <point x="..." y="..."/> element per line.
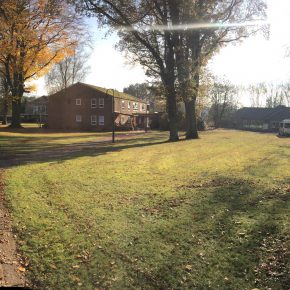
<point x="229" y="231"/>
<point x="36" y="153"/>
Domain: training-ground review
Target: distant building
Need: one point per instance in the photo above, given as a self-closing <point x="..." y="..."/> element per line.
<point x="90" y="108"/>
<point x="261" y="119"/>
<point x="36" y="110"/>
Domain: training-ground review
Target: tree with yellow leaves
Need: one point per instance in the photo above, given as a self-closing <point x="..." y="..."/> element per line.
<point x="34" y="34"/>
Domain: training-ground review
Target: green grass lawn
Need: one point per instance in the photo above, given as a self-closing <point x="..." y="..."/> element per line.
<point x="32" y="139"/>
<point x="211" y="213"/>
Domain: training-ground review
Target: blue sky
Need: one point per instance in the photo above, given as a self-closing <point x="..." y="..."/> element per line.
<point x="254" y="60"/>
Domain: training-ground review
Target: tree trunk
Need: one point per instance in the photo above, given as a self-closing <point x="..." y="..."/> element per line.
<point x="172" y="112"/>
<point x="4" y="122"/>
<point x="190" y="119"/>
<point x="5" y="112"/>
<point x="16" y="112"/>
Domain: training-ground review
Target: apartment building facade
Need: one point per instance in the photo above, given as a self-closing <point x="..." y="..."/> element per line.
<point x="84" y="107"/>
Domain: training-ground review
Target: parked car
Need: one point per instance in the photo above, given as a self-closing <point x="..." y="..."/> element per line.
<point x="284" y="128"/>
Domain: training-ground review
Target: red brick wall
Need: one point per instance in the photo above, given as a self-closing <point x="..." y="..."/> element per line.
<point x="62" y="109"/>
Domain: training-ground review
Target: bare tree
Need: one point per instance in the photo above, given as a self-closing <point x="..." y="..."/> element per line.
<point x="258" y="94"/>
<point x="286" y="92"/>
<point x="70" y="70"/>
<point x="223" y="100"/>
<point x="275" y="96"/>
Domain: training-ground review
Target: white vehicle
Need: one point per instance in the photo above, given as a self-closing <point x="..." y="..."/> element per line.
<point x="284" y="128"/>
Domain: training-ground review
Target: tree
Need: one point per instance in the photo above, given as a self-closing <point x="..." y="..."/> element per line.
<point x="5" y="99"/>
<point x="174" y="39"/>
<point x="275" y="96"/>
<point x="257" y="94"/>
<point x="203" y="27"/>
<point x="144" y="91"/>
<point x="286" y="93"/>
<point x="34" y="35"/>
<point x="223" y="101"/>
<point x="70" y="70"/>
<point x="153" y="49"/>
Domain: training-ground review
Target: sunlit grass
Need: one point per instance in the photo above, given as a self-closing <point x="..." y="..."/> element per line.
<point x="211" y="213"/>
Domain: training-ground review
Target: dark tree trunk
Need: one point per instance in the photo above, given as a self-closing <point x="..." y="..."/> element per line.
<point x="4" y="121"/>
<point x="16" y="112"/>
<point x="17" y="91"/>
<point x="190" y="119"/>
<point x="5" y="112"/>
<point x="190" y="110"/>
<point x="5" y="101"/>
<point x="172" y="114"/>
<point x="168" y="79"/>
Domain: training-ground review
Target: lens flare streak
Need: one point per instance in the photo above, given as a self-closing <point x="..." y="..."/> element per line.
<point x="193" y="26"/>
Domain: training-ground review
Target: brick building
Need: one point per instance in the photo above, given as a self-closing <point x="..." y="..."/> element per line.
<point x="90" y="108"/>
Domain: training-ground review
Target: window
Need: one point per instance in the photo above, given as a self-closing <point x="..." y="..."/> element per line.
<point x="78" y="102"/>
<point x="35" y="110"/>
<point x="287" y="125"/>
<point x="78" y="118"/>
<point x="101" y="102"/>
<point x="135" y="106"/>
<point x="123" y="105"/>
<point x="143" y="107"/>
<point x="129" y="105"/>
<point x="101" y="120"/>
<point x="93" y="120"/>
<point x="93" y="103"/>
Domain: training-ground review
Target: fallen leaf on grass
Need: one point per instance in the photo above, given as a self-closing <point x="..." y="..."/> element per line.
<point x="21" y="269"/>
<point x="76" y="266"/>
<point x="188" y="267"/>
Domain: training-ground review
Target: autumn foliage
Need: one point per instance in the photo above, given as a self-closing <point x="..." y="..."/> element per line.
<point x="34" y="34"/>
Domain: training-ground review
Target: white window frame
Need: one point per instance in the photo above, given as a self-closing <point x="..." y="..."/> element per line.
<point x="101" y="103"/>
<point x="129" y="105"/>
<point x="79" y="118"/>
<point x="101" y="120"/>
<point x="78" y="102"/>
<point x="93" y="120"/>
<point x="123" y="105"/>
<point x="135" y="106"/>
<point x="93" y="103"/>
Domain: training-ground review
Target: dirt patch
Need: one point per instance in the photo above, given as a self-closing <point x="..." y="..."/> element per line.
<point x="164" y="206"/>
<point x="11" y="270"/>
<point x="273" y="263"/>
<point x="217" y="182"/>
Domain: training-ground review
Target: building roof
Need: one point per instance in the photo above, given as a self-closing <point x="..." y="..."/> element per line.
<point x="264" y="114"/>
<point x="114" y="93"/>
<point x="42" y="99"/>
